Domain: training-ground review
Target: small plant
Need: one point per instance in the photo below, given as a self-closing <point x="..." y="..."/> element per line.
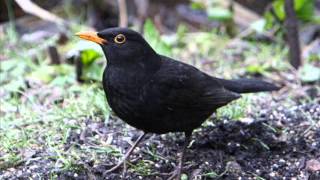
<point x="235" y="110"/>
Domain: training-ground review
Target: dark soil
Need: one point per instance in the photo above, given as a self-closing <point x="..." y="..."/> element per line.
<point x="281" y="143"/>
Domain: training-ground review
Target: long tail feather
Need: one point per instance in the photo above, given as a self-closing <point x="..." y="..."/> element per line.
<point x="248" y="85"/>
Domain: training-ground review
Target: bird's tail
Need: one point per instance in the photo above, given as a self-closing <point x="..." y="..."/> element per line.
<point x="248" y="85"/>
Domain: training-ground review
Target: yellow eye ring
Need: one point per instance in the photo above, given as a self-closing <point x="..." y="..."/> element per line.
<point x="120" y="38"/>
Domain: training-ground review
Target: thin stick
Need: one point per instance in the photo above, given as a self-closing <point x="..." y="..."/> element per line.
<point x="124" y="159"/>
<point x="291" y="24"/>
<point x="123" y="15"/>
<point x="29" y="7"/>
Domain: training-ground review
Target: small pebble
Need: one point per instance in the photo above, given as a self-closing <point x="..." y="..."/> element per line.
<point x="313" y="165"/>
<point x="272" y="174"/>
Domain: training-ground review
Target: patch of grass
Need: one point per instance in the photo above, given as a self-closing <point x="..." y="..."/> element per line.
<point x="263" y="144"/>
<point x="236" y="109"/>
<point x="153" y="153"/>
<point x="41" y="105"/>
<point x="142" y="168"/>
<point x="9" y="160"/>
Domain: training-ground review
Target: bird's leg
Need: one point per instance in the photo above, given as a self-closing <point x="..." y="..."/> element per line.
<point x="126" y="156"/>
<point x="177" y="172"/>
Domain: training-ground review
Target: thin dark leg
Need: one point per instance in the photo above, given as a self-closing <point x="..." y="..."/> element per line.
<point x="124" y="159"/>
<point x="177" y="172"/>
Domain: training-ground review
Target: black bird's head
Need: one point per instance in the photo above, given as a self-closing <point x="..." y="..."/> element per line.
<point x="122" y="46"/>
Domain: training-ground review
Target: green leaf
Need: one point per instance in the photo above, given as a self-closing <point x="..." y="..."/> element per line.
<point x="278" y="7"/>
<point x="90" y="53"/>
<point x="256" y="69"/>
<point x="219" y="13"/>
<point x="298" y="4"/>
<point x="305" y="9"/>
<point x="88" y="56"/>
<point x="269" y="20"/>
<point x="211" y="175"/>
<point x="309" y="73"/>
<point x="197" y="6"/>
<point x="91" y="69"/>
<point x="152" y="35"/>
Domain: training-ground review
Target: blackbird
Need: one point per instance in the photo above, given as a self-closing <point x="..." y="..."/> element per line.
<point x="158" y="94"/>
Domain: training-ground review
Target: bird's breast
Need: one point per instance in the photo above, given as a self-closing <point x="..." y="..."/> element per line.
<point x="123" y="90"/>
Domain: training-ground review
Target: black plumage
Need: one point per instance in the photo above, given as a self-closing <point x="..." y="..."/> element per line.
<point x="176" y="97"/>
<point x="158" y="94"/>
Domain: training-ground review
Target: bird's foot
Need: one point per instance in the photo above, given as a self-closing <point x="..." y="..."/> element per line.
<point x="176" y="174"/>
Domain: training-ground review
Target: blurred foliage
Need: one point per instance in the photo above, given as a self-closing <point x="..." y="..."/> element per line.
<point x="219" y="13"/>
<point x="214" y="9"/>
<point x="257" y="69"/>
<point x="258" y="26"/>
<point x="274" y="20"/>
<point x="91" y="69"/>
<point x="305" y="11"/>
<point x="88" y="56"/>
<point x="52" y="73"/>
<point x="153" y="37"/>
<point x="303" y="8"/>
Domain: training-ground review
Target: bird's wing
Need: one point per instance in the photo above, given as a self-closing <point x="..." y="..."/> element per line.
<point x="180" y="86"/>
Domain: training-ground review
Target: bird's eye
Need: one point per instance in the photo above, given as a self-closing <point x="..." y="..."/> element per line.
<point x="119" y="39"/>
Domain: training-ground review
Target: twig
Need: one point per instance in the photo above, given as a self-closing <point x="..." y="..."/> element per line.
<point x="123" y="15"/>
<point x="53" y="55"/>
<point x="29" y="7"/>
<point x="291" y="25"/>
<point x="142" y="11"/>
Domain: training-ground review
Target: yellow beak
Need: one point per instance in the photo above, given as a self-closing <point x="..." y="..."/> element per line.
<point x="91" y="36"/>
